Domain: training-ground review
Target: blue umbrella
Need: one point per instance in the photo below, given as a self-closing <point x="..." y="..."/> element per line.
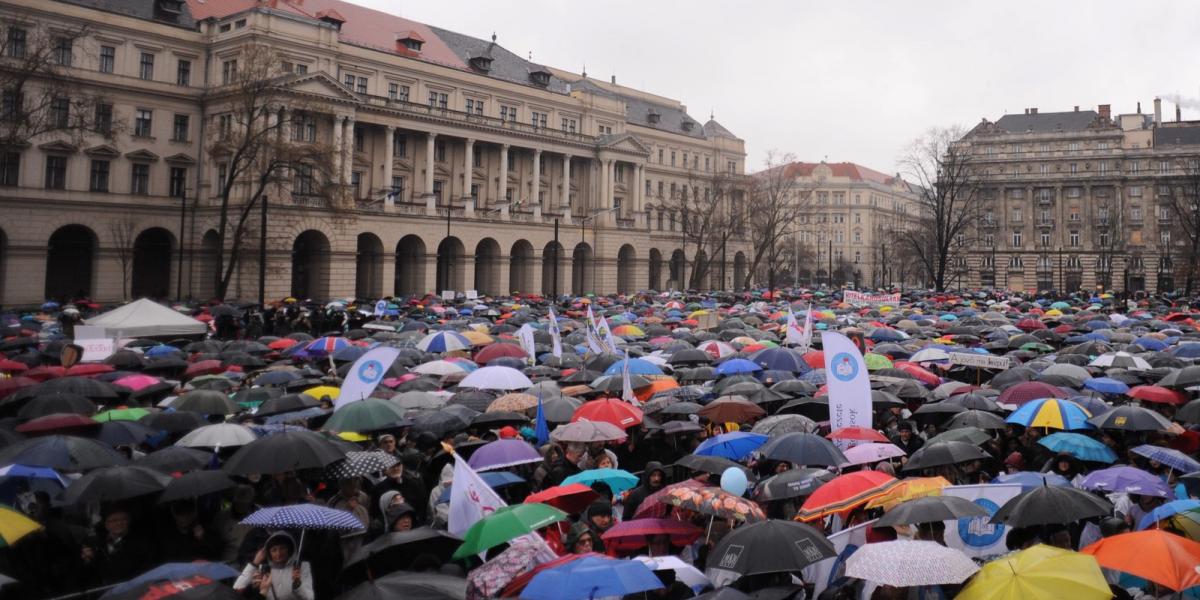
<point x="1029" y="480"/>
<point x="617" y="480"/>
<point x="883" y="334"/>
<point x="637" y="366"/>
<point x="815" y="377"/>
<point x="734" y="366"/>
<point x="1126" y="479"/>
<point x="1169" y="509"/>
<point x="1051" y="412"/>
<point x="493" y="479"/>
<point x="173" y="572"/>
<point x="162" y="350"/>
<point x="781" y="359"/>
<point x="444" y="341"/>
<point x="1151" y="344"/>
<point x="303" y="516"/>
<point x="1185" y="351"/>
<point x="734" y="446"/>
<point x="592" y="577"/>
<point x="1106" y="385"/>
<point x="1080" y="446"/>
<point x="1168" y="456"/>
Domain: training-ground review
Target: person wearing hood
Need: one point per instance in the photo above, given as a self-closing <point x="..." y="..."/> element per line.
<point x="580" y="539"/>
<point x="599" y="518"/>
<point x="276" y="572"/>
<point x="654" y="477"/>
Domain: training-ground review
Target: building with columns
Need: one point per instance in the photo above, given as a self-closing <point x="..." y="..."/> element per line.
<point x="1079" y="199"/>
<point x="456" y="164"/>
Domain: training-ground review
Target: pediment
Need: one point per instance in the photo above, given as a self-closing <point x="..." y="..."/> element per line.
<point x="442" y="170"/>
<point x="103" y="151"/>
<point x="180" y="159"/>
<point x="320" y="84"/>
<point x="142" y="156"/>
<point x="59" y="147"/>
<point x="623" y="142"/>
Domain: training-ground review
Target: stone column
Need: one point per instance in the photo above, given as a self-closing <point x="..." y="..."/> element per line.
<point x="389" y="157"/>
<point x="339" y="147"/>
<point x="348" y="151"/>
<point x="502" y="186"/>
<point x="430" y="147"/>
<point x="536" y="188"/>
<point x="468" y="166"/>
<point x="606" y="193"/>
<point x="564" y="199"/>
<point x="285" y="137"/>
<point x="640" y="191"/>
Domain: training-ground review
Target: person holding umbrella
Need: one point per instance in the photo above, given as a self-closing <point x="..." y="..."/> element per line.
<point x="115" y="553"/>
<point x="275" y="573"/>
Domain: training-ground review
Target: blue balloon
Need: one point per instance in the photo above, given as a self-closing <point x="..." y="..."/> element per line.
<point x="733" y="480"/>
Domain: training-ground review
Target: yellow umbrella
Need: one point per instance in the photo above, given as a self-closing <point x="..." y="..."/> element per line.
<point x="14" y="526"/>
<point x="351" y="436"/>
<point x="698" y="313"/>
<point x="910" y="489"/>
<point x="323" y="390"/>
<point x="1039" y="573"/>
<point x="477" y="338"/>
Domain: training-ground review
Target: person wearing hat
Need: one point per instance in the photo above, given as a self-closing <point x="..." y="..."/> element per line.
<point x="276" y="573"/>
<point x="400" y="517"/>
<point x="906" y="439"/>
<point x="580" y="539"/>
<point x="599" y="518"/>
<point x="654" y="477"/>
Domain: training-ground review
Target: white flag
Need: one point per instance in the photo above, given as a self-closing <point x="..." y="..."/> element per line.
<point x="365" y="374"/>
<point x="627" y="388"/>
<point x="794" y="335"/>
<point x="471" y="500"/>
<point x="593" y="342"/>
<point x="525" y="335"/>
<point x="606" y="335"/>
<point x="829" y="570"/>
<point x="846" y="376"/>
<point x="555" y="337"/>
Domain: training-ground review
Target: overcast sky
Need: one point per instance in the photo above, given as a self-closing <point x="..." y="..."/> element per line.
<point x="853" y="81"/>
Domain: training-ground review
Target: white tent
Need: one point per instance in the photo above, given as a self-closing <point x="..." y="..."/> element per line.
<point x="146" y="318"/>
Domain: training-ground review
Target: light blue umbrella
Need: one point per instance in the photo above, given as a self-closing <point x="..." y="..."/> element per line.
<point x="1029" y="480"/>
<point x="1169" y="509"/>
<point x="734" y="366"/>
<point x="617" y="480"/>
<point x="637" y="366"/>
<point x="1080" y="446"/>
<point x="592" y="577"/>
<point x="444" y="341"/>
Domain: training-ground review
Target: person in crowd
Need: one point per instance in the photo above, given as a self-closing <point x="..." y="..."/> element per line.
<point x="654" y="477"/>
<point x="275" y="572"/>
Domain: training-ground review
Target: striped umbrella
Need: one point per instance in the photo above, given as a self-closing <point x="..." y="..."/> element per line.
<point x="1051" y="413"/>
<point x="846" y="492"/>
<point x="444" y="341"/>
<point x="327" y="345"/>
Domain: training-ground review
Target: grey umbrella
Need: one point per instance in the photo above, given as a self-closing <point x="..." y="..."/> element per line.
<point x="206" y="402"/>
<point x="803" y="449"/>
<point x="1051" y="505"/>
<point x="943" y="453"/>
<point x="976" y="418"/>
<point x="109" y="484"/>
<point x="931" y="509"/>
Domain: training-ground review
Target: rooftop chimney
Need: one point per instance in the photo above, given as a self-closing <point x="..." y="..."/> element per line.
<point x="1178" y="114"/>
<point x="614" y="80"/>
<point x="1076" y="108"/>
<point x="1157" y="111"/>
<point x="1033" y="111"/>
<point x="1139" y="107"/>
<point x="1105" y="111"/>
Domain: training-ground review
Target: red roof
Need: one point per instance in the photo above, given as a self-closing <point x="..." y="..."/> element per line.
<point x="852" y="171"/>
<point x="360" y="26"/>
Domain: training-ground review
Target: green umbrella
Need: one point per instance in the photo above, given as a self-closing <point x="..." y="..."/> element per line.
<point x="505" y="524"/>
<point x="1036" y="347"/>
<point x="1060" y="305"/>
<point x="877" y="361"/>
<point x="370" y="414"/>
<point x="122" y="414"/>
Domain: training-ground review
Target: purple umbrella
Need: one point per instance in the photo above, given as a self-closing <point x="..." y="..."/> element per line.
<point x="1127" y="479"/>
<point x="502" y="454"/>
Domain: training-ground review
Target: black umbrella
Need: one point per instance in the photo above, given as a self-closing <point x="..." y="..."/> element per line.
<point x="439" y="423"/>
<point x="285" y="404"/>
<point x="615" y="383"/>
<point x="793" y="483"/>
<point x="123" y="433"/>
<point x="173" y="422"/>
<point x="61" y="452"/>
<point x="689" y="357"/>
<point x="1185" y="377"/>
<point x="500" y="418"/>
<point x="803" y="449"/>
<point x="794" y="388"/>
<point x="560" y="409"/>
<point x="282" y="452"/>
<point x="410" y="586"/>
<point x="175" y="458"/>
<point x="57" y="402"/>
<point x="477" y="400"/>
<point x="715" y="465"/>
<point x="1131" y="418"/>
<point x="943" y="453"/>
<point x="396" y="551"/>
<point x="974" y="401"/>
<point x="1051" y="505"/>
<point x="196" y="484"/>
<point x="95" y="390"/>
<point x="257" y="394"/>
<point x="679" y="409"/>
<point x="772" y="546"/>
<point x="936" y="412"/>
<point x="205" y="402"/>
<point x="976" y="418"/>
<point x="109" y="484"/>
<point x="1189" y="413"/>
<point x="970" y="435"/>
<point x="931" y="509"/>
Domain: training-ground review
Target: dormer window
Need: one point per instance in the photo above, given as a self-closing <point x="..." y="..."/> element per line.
<point x="332" y="17"/>
<point x="540" y="76"/>
<point x="653" y="117"/>
<point x="687" y="125"/>
<point x="410" y="40"/>
<point x="168" y="10"/>
<point x="481" y="63"/>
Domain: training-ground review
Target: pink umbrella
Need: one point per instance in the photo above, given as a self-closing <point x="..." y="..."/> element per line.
<point x="137" y="382"/>
<point x="872" y="452"/>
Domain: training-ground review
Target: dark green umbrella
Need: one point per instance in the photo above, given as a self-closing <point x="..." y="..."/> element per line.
<point x="371" y="414"/>
<point x="505" y="524"/>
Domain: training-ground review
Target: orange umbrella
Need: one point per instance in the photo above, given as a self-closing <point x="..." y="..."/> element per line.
<point x="1164" y="558"/>
<point x="910" y="489"/>
<point x="657" y="384"/>
<point x="845" y="492"/>
<point x="815" y="359"/>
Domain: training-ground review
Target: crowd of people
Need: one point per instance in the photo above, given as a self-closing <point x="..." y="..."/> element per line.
<point x="646" y="446"/>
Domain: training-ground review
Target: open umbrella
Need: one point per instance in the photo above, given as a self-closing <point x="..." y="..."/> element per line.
<point x="1164" y="558"/>
<point x="109" y="484"/>
<point x="282" y="452"/>
<point x="63" y="453"/>
<point x="733" y="409"/>
<point x="502" y="454"/>
<point x="930" y="509"/>
<point x="768" y="547"/>
<point x="1126" y="479"/>
<point x="793" y="483"/>
<point x="1131" y="418"/>
<point x="362" y="464"/>
<point x="803" y="449"/>
<point x="735" y="445"/>
<point x="587" y="431"/>
<point x="609" y="410"/>
<point x="1051" y="505"/>
<point x="14" y="526"/>
<point x="908" y="489"/>
<point x="175" y="458"/>
<point x="415" y="586"/>
<point x="617" y="480"/>
<point x="1039" y="573"/>
<point x="396" y="552"/>
<point x="1051" y="413"/>
<point x="206" y="402"/>
<point x="909" y="563"/>
<point x="872" y="452"/>
<point x="715" y="502"/>
<point x="189" y="574"/>
<point x="633" y="534"/>
<point x="496" y="378"/>
<point x="219" y="435"/>
<point x="591" y="577"/>
<point x="303" y="516"/>
<point x="1167" y="456"/>
<point x="505" y="524"/>
<point x="195" y="484"/>
<point x="370" y="414"/>
<point x="943" y="453"/>
<point x="1080" y="446"/>
<point x="1166" y="511"/>
<point x="571" y="498"/>
<point x="845" y="492"/>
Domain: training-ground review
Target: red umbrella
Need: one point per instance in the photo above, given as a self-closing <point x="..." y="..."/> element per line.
<point x="282" y="344"/>
<point x="57" y="422"/>
<point x="815" y="359"/>
<point x="1028" y="392"/>
<point x="204" y="367"/>
<point x="609" y="410"/>
<point x="137" y="382"/>
<point x="922" y="374"/>
<point x="845" y="492"/>
<point x="1030" y="325"/>
<point x="90" y="370"/>
<point x="631" y="535"/>
<point x="1159" y="394"/>
<point x="654" y="506"/>
<point x="572" y="498"/>
<point x="45" y="372"/>
<point x="494" y="351"/>
<point x="864" y="434"/>
<point x="12" y="366"/>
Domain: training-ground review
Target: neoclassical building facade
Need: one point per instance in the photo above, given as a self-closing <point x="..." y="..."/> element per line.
<point x="458" y="165"/>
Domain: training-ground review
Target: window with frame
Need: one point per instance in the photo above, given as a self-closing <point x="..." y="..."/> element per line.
<point x="225" y="125"/>
<point x="1135" y="213"/>
<point x="304" y="127"/>
<point x="1104" y="239"/>
<point x="183" y="72"/>
<point x="1074" y="192"/>
<point x="474" y="107"/>
<point x="222" y="176"/>
<point x="672" y="158"/>
<point x="108" y="59"/>
<point x="660" y="189"/>
<point x="301" y="68"/>
<point x="1164" y="167"/>
<point x="229" y="71"/>
<point x="146" y="66"/>
<point x="1135" y="191"/>
<point x="649" y="187"/>
<point x="1074" y="168"/>
<point x="12" y="105"/>
<point x="397" y="185"/>
<point x="16" y="42"/>
<point x="475" y="191"/>
<point x="989" y="240"/>
<point x="477" y="159"/>
<point x="303" y="181"/>
<point x="1016" y="216"/>
<point x="438" y="100"/>
<point x="508" y="113"/>
<point x="1015" y="262"/>
<point x="660" y="156"/>
<point x="360" y="139"/>
<point x="439" y="186"/>
<point x="64" y="51"/>
<point x="177" y="182"/>
<point x="1045" y="239"/>
<point x="538" y="119"/>
<point x="10" y="168"/>
<point x="142" y="122"/>
<point x="348" y="80"/>
<point x="439" y="152"/>
<point x="1016" y="239"/>
<point x="1073" y="238"/>
<point x="1164" y="190"/>
<point x="98" y="177"/>
<point x="56" y="172"/>
<point x="568" y="125"/>
<point x="732" y="166"/>
<point x="139" y="179"/>
<point x="362" y="85"/>
<point x="1164" y="237"/>
<point x="397" y="92"/>
<point x="399" y="145"/>
<point x="1134" y="167"/>
<point x="179" y="129"/>
<point x="356" y="183"/>
<point x="60" y="112"/>
<point x="1073" y="147"/>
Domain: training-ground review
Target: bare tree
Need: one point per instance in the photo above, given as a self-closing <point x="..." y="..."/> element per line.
<point x="255" y="147"/>
<point x="41" y="97"/>
<point x="772" y="209"/>
<point x="947" y="198"/>
<point x="124" y="234"/>
<point x="707" y="210"/>
<point x="1184" y="200"/>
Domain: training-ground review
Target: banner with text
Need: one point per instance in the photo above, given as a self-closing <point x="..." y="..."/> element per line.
<point x="849" y="387"/>
<point x="853" y="297"/>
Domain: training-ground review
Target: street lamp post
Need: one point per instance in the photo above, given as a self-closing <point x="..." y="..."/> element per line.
<point x="583" y="236"/>
<point x="182" y="239"/>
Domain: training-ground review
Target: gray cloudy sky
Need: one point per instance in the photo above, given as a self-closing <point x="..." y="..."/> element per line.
<point x="851" y="80"/>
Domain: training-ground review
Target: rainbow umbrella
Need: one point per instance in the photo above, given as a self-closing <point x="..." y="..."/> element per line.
<point x="1052" y="413"/>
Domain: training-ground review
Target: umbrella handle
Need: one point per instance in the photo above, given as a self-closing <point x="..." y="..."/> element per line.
<point x="708" y="534"/>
